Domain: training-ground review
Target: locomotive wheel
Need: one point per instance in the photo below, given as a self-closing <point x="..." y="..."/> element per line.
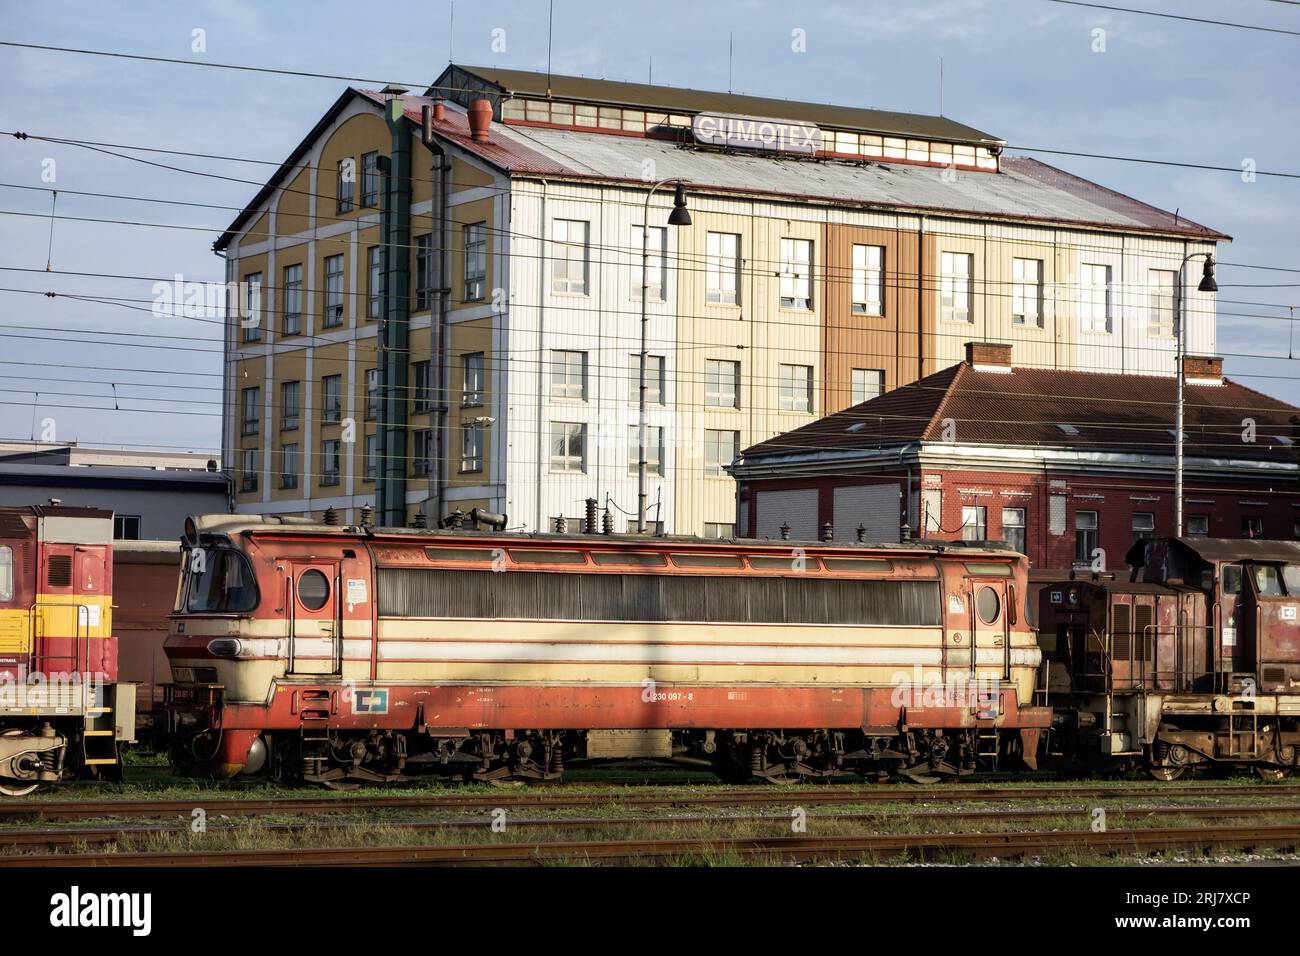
<point x="1165" y="774"/>
<point x="17" y="788"/>
<point x="1272" y="774"/>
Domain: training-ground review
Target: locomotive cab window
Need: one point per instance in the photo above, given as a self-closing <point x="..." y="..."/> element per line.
<point x="1291" y="578"/>
<point x="1232" y="579"/>
<point x="1268" y="580"/>
<point x="6" y="573"/>
<point x="221" y="581"/>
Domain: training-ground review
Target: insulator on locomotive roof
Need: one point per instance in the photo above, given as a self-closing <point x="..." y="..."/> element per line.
<point x="367" y="517"/>
<point x="492" y="520"/>
<point x="607" y="522"/>
<point x="590" y="526"/>
<point x="862" y="533"/>
<point x="331" y="516"/>
<point x="561" y="525"/>
<point x="785" y="531"/>
<point x="828" y="532"/>
<point x="419" y="520"/>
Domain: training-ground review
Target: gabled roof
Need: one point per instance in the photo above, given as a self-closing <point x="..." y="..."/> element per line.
<point x="1027" y="407"/>
<point x="501" y="83"/>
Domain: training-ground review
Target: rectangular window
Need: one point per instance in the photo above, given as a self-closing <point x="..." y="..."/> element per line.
<point x="289" y="405"/>
<point x="721" y="384"/>
<point x="1013" y="528"/>
<point x="125" y="528"/>
<point x="248" y="469"/>
<point x="422" y="452"/>
<point x="423" y="273"/>
<point x="720" y="449"/>
<point x="869" y="280"/>
<point x="1144" y="526"/>
<point x="347" y="183"/>
<point x="1027" y="291"/>
<point x="796" y="273"/>
<point x="371" y="469"/>
<point x="955" y="269"/>
<point x="795" y="390"/>
<point x="6" y="573"/>
<point x="1085" y="536"/>
<point x="654" y="450"/>
<point x="1198" y="526"/>
<point x="867" y="383"/>
<point x="333" y="291"/>
<point x="293" y="300"/>
<point x="974" y="523"/>
<point x="329" y="465"/>
<point x="1160" y="307"/>
<point x="370" y="180"/>
<point x="568" y="447"/>
<point x="475" y="261"/>
<point x="719" y="529"/>
<point x="1094" y="298"/>
<point x="289" y="466"/>
<point x="569" y="256"/>
<point x="722" y="268"/>
<point x="422" y="387"/>
<point x="1252" y="526"/>
<point x="250" y="320"/>
<point x="472" y="368"/>
<point x="372" y="393"/>
<point x="374" y="282"/>
<point x="654" y="379"/>
<point x="251" y="411"/>
<point x="655" y="240"/>
<point x="331" y="394"/>
<point x="568" y="374"/>
<point x="471" y="447"/>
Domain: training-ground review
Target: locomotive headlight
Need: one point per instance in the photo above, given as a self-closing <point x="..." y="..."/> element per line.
<point x="225" y="647"/>
<point x="1073" y="596"/>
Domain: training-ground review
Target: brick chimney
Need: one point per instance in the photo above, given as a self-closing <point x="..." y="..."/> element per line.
<point x="989" y="356"/>
<point x="1202" y="370"/>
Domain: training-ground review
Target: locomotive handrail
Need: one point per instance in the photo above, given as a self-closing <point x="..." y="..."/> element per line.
<point x="77" y="635"/>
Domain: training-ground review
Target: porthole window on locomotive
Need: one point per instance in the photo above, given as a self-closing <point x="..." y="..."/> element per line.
<point x="987" y="605"/>
<point x="313" y="589"/>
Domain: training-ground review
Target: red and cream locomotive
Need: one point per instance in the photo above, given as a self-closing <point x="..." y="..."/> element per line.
<point x="63" y="711"/>
<point x="1193" y="662"/>
<point x="334" y="655"/>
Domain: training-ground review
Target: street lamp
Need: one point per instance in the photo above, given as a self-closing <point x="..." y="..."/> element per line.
<point x="678" y="217"/>
<point x="1207" y="284"/>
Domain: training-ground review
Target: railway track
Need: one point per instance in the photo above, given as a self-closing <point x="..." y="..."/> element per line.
<point x="557" y="800"/>
<point x="51" y="838"/>
<point x="867" y="848"/>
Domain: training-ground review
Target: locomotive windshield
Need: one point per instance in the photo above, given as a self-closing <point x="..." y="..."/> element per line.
<point x="220" y="581"/>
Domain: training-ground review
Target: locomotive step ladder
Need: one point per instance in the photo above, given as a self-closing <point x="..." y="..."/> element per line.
<point x="986" y="744"/>
<point x="99" y="739"/>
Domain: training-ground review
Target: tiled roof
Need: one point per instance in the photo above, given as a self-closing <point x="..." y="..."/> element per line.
<point x="1026" y="408"/>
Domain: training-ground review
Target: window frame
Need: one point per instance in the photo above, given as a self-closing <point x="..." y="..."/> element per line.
<point x="654" y="450"/>
<point x="564" y="365"/>
<point x="717" y="468"/>
<point x="1024" y="289"/>
<point x="331" y="395"/>
<point x="474" y="239"/>
<point x="285" y="473"/>
<point x="566" y="433"/>
<point x="864" y="278"/>
<point x="331" y="468"/>
<point x="855" y="392"/>
<point x="722" y="269"/>
<point x="1093" y="296"/>
<point x="715" y="395"/>
<point x="289" y="422"/>
<point x="472" y="442"/>
<point x="332" y="312"/>
<point x="475" y="363"/>
<point x="792" y="394"/>
<point x="291" y="323"/>
<point x="953" y="284"/>
<point x="570" y="254"/>
<point x="796" y="275"/>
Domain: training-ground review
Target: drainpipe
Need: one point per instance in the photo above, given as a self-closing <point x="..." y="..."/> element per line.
<point x="434" y="506"/>
<point x="907" y="499"/>
<point x="539" y="522"/>
<point x="920" y="300"/>
<point x="394" y="327"/>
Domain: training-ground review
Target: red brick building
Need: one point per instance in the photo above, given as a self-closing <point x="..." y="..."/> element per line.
<point x="1068" y="466"/>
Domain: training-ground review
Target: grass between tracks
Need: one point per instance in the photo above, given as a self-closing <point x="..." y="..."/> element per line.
<point x="608" y="819"/>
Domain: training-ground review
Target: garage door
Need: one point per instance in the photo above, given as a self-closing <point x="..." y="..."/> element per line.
<point x="796" y="508"/>
<point x="875" y="507"/>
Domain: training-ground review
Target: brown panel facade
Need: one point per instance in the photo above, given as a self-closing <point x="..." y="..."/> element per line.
<point x="886" y="342"/>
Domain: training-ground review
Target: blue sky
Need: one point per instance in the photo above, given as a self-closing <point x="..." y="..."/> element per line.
<point x="1022" y="69"/>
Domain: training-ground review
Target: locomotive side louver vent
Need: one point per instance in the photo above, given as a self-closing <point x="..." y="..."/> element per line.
<point x="59" y="571"/>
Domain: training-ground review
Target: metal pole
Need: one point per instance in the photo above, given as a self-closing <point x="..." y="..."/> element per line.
<point x="1178" y="424"/>
<point x="641" y="426"/>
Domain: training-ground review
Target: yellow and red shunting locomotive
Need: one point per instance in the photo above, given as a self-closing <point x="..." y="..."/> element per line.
<point x="1192" y="662"/>
<point x="63" y="712"/>
<point x="336" y="655"/>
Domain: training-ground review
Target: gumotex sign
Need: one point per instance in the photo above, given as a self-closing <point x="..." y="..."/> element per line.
<point x="753" y="132"/>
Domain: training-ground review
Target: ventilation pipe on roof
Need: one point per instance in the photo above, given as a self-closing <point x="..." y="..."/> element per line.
<point x="480" y="120"/>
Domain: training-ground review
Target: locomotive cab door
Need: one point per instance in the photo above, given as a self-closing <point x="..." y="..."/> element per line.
<point x="315" y="617"/>
<point x="990" y="643"/>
